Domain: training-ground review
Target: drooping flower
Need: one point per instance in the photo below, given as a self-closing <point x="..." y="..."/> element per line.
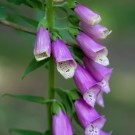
<point x="89" y="118"/>
<point x="61" y="124"/>
<point x="100" y="73"/>
<point x="96" y="31"/>
<point x="63" y="59"/>
<point x="86" y="85"/>
<point x="42" y="47"/>
<point x="92" y="49"/>
<point x="86" y="15"/>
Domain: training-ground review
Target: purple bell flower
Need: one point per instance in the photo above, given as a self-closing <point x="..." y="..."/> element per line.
<point x="86" y="15"/>
<point x="89" y="118"/>
<point x="92" y="49"/>
<point x="86" y="85"/>
<point x="96" y="31"/>
<point x="42" y="47"/>
<point x="61" y="124"/>
<point x="66" y="65"/>
<point x="100" y="73"/>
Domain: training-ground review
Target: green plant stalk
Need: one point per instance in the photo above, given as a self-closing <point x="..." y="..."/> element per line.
<point x="50" y="19"/>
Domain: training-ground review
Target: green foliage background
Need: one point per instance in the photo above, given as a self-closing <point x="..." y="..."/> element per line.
<point x="16" y="50"/>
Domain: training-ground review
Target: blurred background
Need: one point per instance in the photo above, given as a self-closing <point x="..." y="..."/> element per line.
<point x="16" y="51"/>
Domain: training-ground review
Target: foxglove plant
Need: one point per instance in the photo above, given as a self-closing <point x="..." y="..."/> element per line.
<point x="87" y="65"/>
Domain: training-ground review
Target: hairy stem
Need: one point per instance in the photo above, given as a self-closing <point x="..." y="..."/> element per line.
<point x="50" y="19"/>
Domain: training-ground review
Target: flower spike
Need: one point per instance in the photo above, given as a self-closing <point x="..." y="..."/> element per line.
<point x="42" y="48"/>
<point x="92" y="49"/>
<point x="86" y="15"/>
<point x="66" y="65"/>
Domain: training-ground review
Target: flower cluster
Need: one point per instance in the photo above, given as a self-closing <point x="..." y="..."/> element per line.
<point x="91" y="78"/>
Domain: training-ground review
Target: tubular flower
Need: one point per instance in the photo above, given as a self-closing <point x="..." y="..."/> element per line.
<point x="86" y="15"/>
<point x="96" y="31"/>
<point x="63" y="59"/>
<point x="100" y="73"/>
<point x="89" y="118"/>
<point x="92" y="49"/>
<point x="61" y="124"/>
<point x="42" y="47"/>
<point x="86" y="85"/>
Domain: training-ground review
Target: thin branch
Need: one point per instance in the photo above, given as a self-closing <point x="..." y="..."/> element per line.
<point x="27" y="30"/>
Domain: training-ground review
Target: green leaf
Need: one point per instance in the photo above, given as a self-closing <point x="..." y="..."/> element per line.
<point x="66" y="101"/>
<point x="73" y="31"/>
<point x="33" y="66"/>
<point x="3" y="14"/>
<point x="48" y="132"/>
<point x="43" y="22"/>
<point x="78" y="52"/>
<point x="73" y="94"/>
<point x="73" y="19"/>
<point x="29" y="98"/>
<point x="71" y="3"/>
<point x="35" y="99"/>
<point x="29" y="20"/>
<point x="30" y="3"/>
<point x="55" y="108"/>
<point x="25" y="132"/>
<point x="35" y="4"/>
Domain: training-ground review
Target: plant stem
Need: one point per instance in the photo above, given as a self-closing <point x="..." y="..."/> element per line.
<point x="50" y="19"/>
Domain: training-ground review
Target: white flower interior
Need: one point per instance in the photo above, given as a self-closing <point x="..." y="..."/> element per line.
<point x="90" y="97"/>
<point x="104" y="86"/>
<point x="91" y="130"/>
<point x="41" y="56"/>
<point x="105" y="33"/>
<point x="95" y="20"/>
<point x="102" y="59"/>
<point x="66" y="68"/>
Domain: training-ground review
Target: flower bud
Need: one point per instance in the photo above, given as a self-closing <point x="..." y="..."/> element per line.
<point x="61" y="124"/>
<point x="86" y="85"/>
<point x="92" y="49"/>
<point x="63" y="59"/>
<point x="86" y="15"/>
<point x="96" y="31"/>
<point x="42" y="48"/>
<point x="100" y="73"/>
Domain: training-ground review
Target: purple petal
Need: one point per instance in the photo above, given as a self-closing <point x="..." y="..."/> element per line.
<point x="95" y="127"/>
<point x="90" y="96"/>
<point x="100" y="73"/>
<point x="63" y="59"/>
<point x="100" y="100"/>
<point x="96" y="32"/>
<point x="42" y="47"/>
<point x="85" y="113"/>
<point x="104" y="133"/>
<point x="86" y="15"/>
<point x="61" y="124"/>
<point x="92" y="49"/>
<point x="83" y="80"/>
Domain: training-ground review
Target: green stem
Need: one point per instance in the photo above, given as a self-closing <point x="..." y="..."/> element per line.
<point x="50" y="19"/>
